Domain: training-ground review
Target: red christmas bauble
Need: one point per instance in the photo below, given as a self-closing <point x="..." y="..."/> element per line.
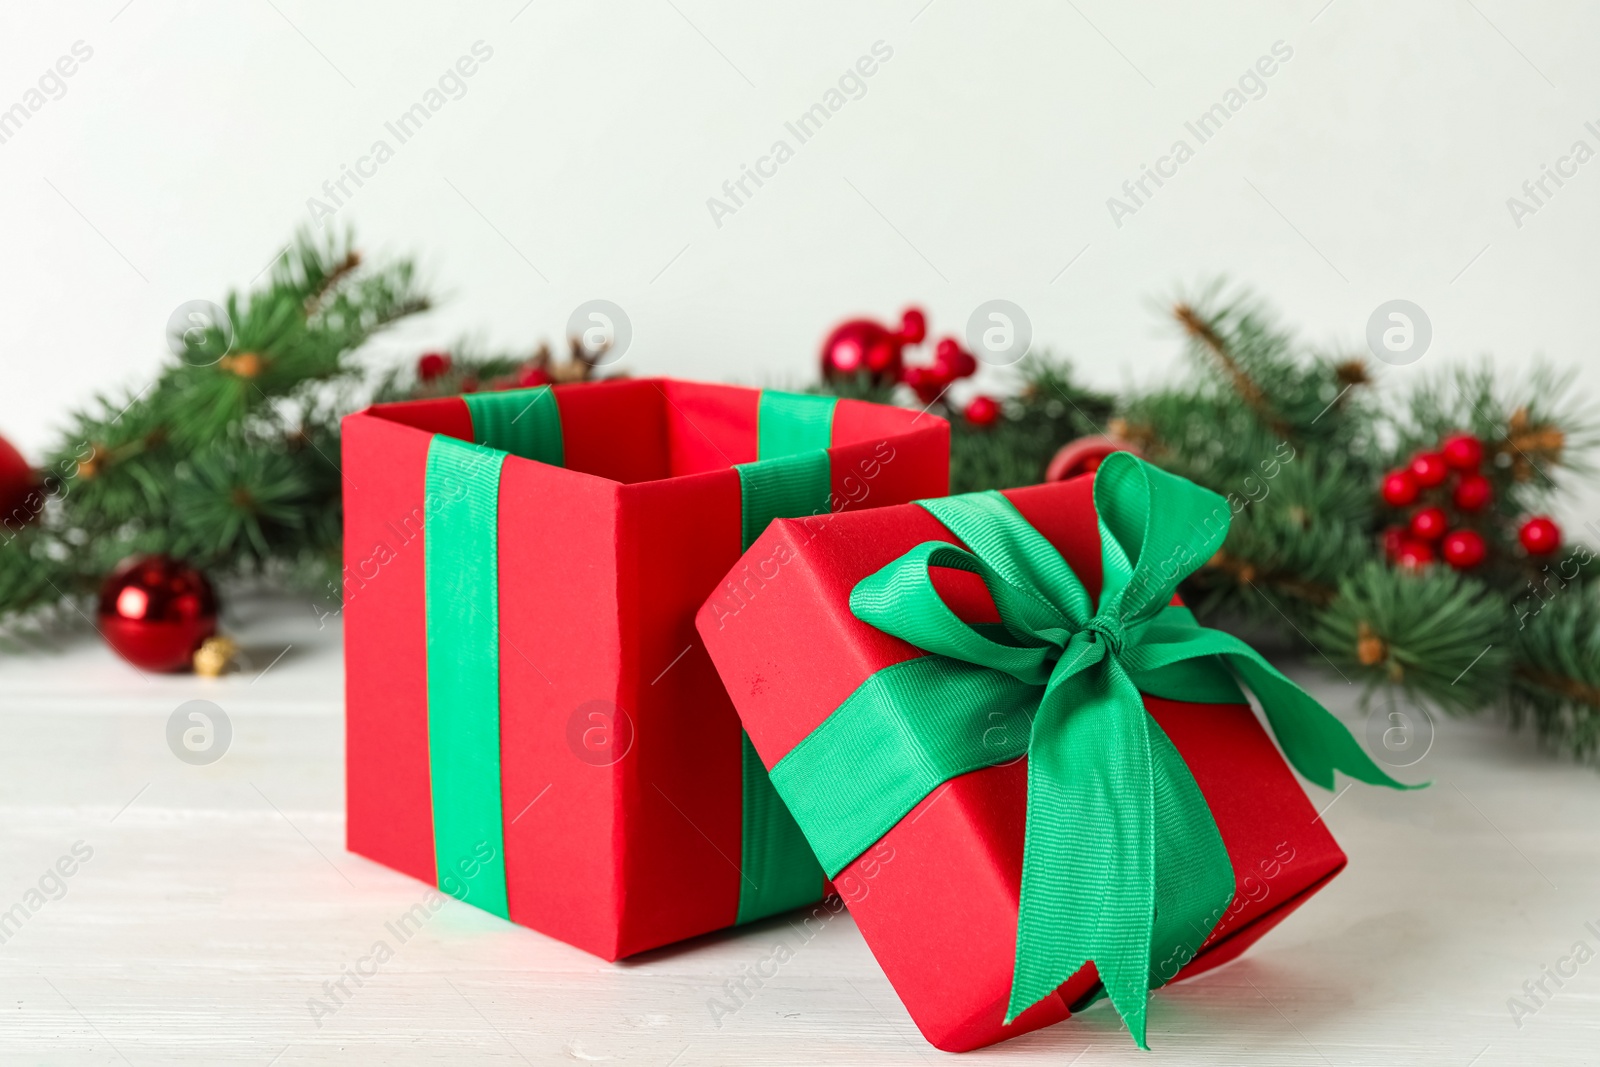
<point x="1462" y="451"/>
<point x="982" y="410"/>
<point x="1463" y="549"/>
<point x="1414" y="555"/>
<point x="17" y="484"/>
<point x="155" y="610"/>
<point x="863" y="345"/>
<point x="1472" y="492"/>
<point x="1428" y="469"/>
<point x="1399" y="488"/>
<point x="1429" y="523"/>
<point x="954" y="360"/>
<point x="431" y="365"/>
<point x="1083" y="456"/>
<point x="1540" y="535"/>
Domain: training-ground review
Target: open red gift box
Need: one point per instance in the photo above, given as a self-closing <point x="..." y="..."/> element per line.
<point x="611" y="793"/>
<point x="937" y="898"/>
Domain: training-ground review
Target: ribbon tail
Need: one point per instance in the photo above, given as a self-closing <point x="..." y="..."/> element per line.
<point x="1088" y="867"/>
<point x="1194" y="876"/>
<point x="1315" y="742"/>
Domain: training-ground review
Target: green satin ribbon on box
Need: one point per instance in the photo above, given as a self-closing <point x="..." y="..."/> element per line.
<point x="1123" y="865"/>
<point x="792" y="477"/>
<point x="461" y="567"/>
<point x="461" y="563"/>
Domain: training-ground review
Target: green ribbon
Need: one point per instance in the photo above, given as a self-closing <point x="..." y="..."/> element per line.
<point x="523" y="422"/>
<point x="463" y="612"/>
<point x="792" y="477"/>
<point x="1123" y="865"/>
<point x="461" y="587"/>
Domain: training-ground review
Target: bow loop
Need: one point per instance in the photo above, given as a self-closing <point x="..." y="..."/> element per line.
<point x="901" y="600"/>
<point x="1156" y="529"/>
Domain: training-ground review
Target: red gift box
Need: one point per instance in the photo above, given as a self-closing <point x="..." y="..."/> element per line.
<point x="937" y="898"/>
<point x="602" y="758"/>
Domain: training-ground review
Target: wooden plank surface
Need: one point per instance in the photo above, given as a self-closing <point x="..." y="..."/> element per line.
<point x="218" y="901"/>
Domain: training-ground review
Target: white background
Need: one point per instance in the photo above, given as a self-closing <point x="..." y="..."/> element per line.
<point x="977" y="165"/>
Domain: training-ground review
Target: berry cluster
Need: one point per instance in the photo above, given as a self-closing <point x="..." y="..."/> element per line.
<point x="950" y="361"/>
<point x="862" y="346"/>
<point x="435" y="371"/>
<point x="1453" y="473"/>
<point x="431" y="366"/>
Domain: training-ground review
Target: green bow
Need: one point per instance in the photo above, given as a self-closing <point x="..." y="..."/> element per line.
<point x="1123" y="864"/>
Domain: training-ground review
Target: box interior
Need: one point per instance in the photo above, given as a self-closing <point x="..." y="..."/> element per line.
<point x="649" y="429"/>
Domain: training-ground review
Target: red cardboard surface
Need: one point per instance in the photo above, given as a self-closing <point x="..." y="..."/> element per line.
<point x="940" y="912"/>
<point x="602" y="564"/>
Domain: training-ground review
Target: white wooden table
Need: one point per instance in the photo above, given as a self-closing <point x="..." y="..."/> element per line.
<point x="218" y="900"/>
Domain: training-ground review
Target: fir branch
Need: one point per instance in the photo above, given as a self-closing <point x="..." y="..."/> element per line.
<point x="1048" y="410"/>
<point x="1556" y="682"/>
<point x="1202" y="330"/>
<point x="1438" y="635"/>
<point x="226" y="458"/>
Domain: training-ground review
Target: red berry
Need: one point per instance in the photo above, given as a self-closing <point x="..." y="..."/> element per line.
<point x="1540" y="535"/>
<point x="1394" y="539"/>
<point x="913" y="326"/>
<point x="432" y="364"/>
<point x="954" y="360"/>
<point x="1473" y="492"/>
<point x="1399" y="488"/>
<point x="1414" y="555"/>
<point x="1463" y="549"/>
<point x="928" y="383"/>
<point x="982" y="410"/>
<point x="532" y="375"/>
<point x="1428" y="469"/>
<point x="1462" y="451"/>
<point x="1429" y="523"/>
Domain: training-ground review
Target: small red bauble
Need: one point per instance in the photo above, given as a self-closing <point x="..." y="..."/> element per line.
<point x="1429" y="523"/>
<point x="1399" y="488"/>
<point x="1428" y="469"/>
<point x="18" y="504"/>
<point x="1540" y="535"/>
<point x="1463" y="549"/>
<point x="431" y="365"/>
<point x="155" y="611"/>
<point x="982" y="410"/>
<point x="1083" y="456"/>
<point x="1414" y="555"/>
<point x="1462" y="452"/>
<point x="1473" y="492"/>
<point x="862" y="345"/>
